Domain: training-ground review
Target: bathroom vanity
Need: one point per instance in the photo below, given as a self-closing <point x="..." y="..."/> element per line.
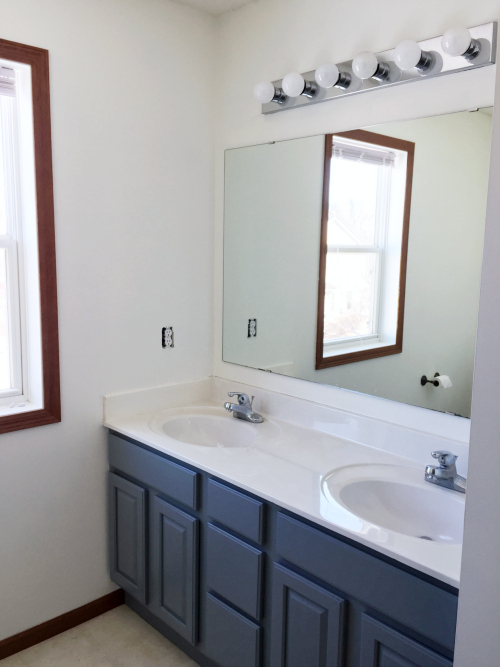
<point x="236" y="579"/>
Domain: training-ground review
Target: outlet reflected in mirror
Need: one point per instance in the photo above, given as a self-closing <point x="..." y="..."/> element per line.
<point x="360" y="256"/>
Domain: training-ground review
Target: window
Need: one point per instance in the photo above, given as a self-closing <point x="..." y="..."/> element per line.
<point x="29" y="351"/>
<point x="364" y="239"/>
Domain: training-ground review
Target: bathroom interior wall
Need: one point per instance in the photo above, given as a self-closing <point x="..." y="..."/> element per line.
<point x="272" y="224"/>
<point x="133" y="181"/>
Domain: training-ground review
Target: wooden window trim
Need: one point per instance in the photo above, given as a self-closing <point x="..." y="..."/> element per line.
<point x="397" y="348"/>
<point x="38" y="59"/>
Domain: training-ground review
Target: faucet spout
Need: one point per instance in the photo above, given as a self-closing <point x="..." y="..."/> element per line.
<point x="446" y="475"/>
<point x="243" y="409"/>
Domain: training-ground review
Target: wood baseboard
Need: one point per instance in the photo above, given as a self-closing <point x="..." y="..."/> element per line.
<point x="55" y="626"/>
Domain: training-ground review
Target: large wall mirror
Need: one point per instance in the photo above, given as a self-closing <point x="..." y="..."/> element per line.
<point x="354" y="259"/>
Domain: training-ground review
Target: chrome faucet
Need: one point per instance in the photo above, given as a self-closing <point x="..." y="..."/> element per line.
<point x="446" y="475"/>
<point x="243" y="409"/>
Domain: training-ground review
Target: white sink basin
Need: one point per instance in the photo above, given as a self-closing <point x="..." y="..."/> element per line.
<point x="210" y="431"/>
<point x="397" y="498"/>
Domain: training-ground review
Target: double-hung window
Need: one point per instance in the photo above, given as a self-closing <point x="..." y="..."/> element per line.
<point x="366" y="198"/>
<point x="29" y="359"/>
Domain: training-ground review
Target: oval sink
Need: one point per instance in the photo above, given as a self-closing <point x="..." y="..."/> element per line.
<point x="210" y="431"/>
<point x="397" y="498"/>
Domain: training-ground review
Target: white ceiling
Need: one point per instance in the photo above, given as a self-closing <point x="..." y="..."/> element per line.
<point x="215" y="6"/>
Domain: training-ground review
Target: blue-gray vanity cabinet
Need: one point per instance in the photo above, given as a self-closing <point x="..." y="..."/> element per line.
<point x="127" y="536"/>
<point x="382" y="646"/>
<point x="174" y="574"/>
<point x="307" y="626"/>
<point x="236" y="581"/>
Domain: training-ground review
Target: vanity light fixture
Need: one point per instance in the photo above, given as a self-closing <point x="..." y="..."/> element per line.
<point x="457" y="41"/>
<point x="265" y="92"/>
<point x="409" y="61"/>
<point x="408" y="55"/>
<point x="366" y="66"/>
<point x="328" y="75"/>
<point x="294" y="85"/>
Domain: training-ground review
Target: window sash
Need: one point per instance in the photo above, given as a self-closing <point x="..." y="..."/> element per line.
<point x="12" y="242"/>
<point x="378" y="248"/>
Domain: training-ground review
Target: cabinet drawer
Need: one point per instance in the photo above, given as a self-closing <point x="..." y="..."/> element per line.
<point x="234" y="571"/>
<point x="427" y="609"/>
<point x="382" y="646"/>
<point x="231" y="639"/>
<point x="168" y="477"/>
<point x="236" y="510"/>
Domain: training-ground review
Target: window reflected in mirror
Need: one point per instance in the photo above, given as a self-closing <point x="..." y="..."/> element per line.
<point x="364" y="242"/>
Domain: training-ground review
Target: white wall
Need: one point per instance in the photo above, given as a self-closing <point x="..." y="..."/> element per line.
<point x="273" y="199"/>
<point x="132" y="121"/>
<point x="478" y="640"/>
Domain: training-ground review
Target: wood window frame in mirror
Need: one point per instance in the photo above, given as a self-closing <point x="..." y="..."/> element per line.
<point x="370" y="353"/>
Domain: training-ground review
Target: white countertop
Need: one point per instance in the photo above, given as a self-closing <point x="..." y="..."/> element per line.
<point x="285" y="465"/>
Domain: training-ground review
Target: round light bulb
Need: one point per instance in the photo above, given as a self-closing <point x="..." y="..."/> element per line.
<point x="407" y="54"/>
<point x="365" y="65"/>
<point x="456" y="41"/>
<point x="264" y="92"/>
<point x="293" y="84"/>
<point x="327" y="75"/>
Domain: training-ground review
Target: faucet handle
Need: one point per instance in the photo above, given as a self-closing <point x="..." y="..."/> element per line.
<point x="446" y="459"/>
<point x="243" y="399"/>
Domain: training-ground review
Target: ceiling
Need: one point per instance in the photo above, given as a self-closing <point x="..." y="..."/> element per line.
<point x="215" y="6"/>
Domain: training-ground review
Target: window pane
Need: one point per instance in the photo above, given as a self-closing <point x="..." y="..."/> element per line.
<point x="353" y="202"/>
<point x="4" y="325"/>
<point x="3" y="213"/>
<point x="349" y="294"/>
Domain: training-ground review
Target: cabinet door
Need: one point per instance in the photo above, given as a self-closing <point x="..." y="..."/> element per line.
<point x="174" y="544"/>
<point x="381" y="646"/>
<point x="307" y="623"/>
<point x="127" y="536"/>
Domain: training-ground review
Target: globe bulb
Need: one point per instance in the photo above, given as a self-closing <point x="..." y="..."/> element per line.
<point x="293" y="84"/>
<point x="365" y="65"/>
<point x="327" y="75"/>
<point x="456" y="41"/>
<point x="407" y="54"/>
<point x="264" y="92"/>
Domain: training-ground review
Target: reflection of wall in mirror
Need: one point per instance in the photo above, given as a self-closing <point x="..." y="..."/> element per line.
<point x="271" y="252"/>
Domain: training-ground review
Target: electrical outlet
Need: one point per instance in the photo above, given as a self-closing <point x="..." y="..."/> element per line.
<point x="167" y="337"/>
<point x="252" y="328"/>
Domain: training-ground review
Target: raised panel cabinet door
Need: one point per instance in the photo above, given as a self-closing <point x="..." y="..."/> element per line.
<point x="127" y="536"/>
<point x="175" y="549"/>
<point x="307" y="628"/>
<point x="381" y="646"/>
